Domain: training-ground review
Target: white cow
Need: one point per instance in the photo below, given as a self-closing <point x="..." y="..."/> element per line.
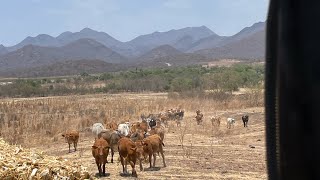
<point x="97" y="128"/>
<point x="230" y="122"/>
<point x="124" y="129"/>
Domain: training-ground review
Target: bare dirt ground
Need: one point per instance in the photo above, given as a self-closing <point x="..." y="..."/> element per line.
<point x="229" y="62"/>
<point x="204" y="153"/>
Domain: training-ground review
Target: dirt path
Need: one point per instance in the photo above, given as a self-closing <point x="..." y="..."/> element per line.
<point x="206" y="154"/>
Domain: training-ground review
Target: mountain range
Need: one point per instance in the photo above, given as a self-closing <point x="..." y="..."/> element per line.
<point x="189" y="45"/>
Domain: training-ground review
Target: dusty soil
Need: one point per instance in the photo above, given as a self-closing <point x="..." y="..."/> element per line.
<point x="206" y="153"/>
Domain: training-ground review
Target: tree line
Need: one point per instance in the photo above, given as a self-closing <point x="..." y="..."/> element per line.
<point x="173" y="79"/>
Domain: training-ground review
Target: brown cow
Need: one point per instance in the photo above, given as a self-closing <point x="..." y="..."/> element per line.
<point x="143" y="126"/>
<point x="153" y="145"/>
<point x="158" y="130"/>
<point x="100" y="151"/>
<point x="111" y="125"/>
<point x="128" y="153"/>
<point x="71" y="136"/>
<point x="134" y="127"/>
<point x="199" y="117"/>
<point x="164" y="118"/>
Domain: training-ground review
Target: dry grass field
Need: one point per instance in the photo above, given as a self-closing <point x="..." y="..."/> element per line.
<point x="192" y="151"/>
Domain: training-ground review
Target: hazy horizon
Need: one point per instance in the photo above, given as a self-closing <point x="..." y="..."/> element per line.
<point x="123" y="19"/>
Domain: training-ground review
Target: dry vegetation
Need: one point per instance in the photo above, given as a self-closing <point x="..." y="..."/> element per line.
<point x="192" y="152"/>
<point x="20" y="163"/>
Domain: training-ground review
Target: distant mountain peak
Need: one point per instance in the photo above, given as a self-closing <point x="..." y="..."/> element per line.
<point x="251" y="29"/>
<point x="44" y="35"/>
<point x="87" y="30"/>
<point x="259" y="23"/>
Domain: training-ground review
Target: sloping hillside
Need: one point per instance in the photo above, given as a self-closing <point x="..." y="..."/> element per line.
<point x="34" y="56"/>
<point x="214" y="41"/>
<point x="158" y="52"/>
<point x="70" y="67"/>
<point x="147" y="42"/>
<point x="251" y="47"/>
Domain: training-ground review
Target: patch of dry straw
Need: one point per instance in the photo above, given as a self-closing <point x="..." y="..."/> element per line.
<point x="19" y="163"/>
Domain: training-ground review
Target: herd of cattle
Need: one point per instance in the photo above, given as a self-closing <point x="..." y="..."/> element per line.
<point x="136" y="141"/>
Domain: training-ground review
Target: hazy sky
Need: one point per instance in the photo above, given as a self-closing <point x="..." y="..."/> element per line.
<point x="124" y="19"/>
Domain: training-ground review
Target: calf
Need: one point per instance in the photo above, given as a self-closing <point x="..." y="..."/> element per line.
<point x="128" y="153"/>
<point x="230" y="122"/>
<point x="245" y="120"/>
<point x="112" y="137"/>
<point x="71" y="136"/>
<point x="152" y="145"/>
<point x="100" y="151"/>
<point x="96" y="129"/>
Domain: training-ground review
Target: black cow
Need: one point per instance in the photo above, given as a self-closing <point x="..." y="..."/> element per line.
<point x="152" y="123"/>
<point x="245" y="120"/>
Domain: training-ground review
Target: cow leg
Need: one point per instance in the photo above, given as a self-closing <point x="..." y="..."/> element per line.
<point x="69" y="147"/>
<point x="104" y="169"/>
<point x="154" y="159"/>
<point x="140" y="163"/>
<point x="99" y="167"/>
<point x="112" y="153"/>
<point x="134" y="172"/>
<point x="122" y="163"/>
<point x="150" y="159"/>
<point x="164" y="162"/>
<point x="107" y="155"/>
<point x="75" y="146"/>
<point x="126" y="165"/>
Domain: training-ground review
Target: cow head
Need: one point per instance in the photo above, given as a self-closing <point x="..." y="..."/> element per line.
<point x="100" y="151"/>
